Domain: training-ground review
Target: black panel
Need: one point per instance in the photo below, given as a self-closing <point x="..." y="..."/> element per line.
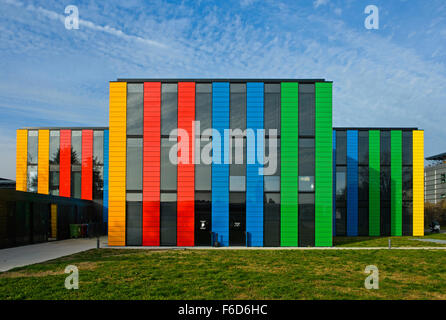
<point x="168" y="219"/>
<point x="133" y="224"/>
<point x="407" y="183"/>
<point x="385" y="200"/>
<point x="306" y="110"/>
<point x="385" y="218"/>
<point x="271" y="223"/>
<point x="341" y="220"/>
<point x="363" y="147"/>
<point x="237" y="110"/>
<point x="363" y="184"/>
<point x="407" y="148"/>
<point x="306" y="165"/>
<point x="306" y="220"/>
<point x="237" y="218"/>
<point x="341" y="147"/>
<point x="203" y="218"/>
<point x="272" y="107"/>
<point x="363" y="219"/>
<point x="407" y="218"/>
<point x="385" y="146"/>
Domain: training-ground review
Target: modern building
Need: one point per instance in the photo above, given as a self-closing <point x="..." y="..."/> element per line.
<point x="240" y="162"/>
<point x="435" y="178"/>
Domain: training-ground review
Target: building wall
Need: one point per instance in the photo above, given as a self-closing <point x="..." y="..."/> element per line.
<point x="435" y="183"/>
<point x="377" y="182"/>
<point x="198" y="203"/>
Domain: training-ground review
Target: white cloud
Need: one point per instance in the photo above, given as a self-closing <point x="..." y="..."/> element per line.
<point x="318" y="3"/>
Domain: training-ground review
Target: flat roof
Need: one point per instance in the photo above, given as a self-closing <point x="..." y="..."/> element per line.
<point x="440" y="156"/>
<point x="207" y="80"/>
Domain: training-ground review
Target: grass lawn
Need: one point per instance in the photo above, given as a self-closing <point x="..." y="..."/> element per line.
<point x="384" y="241"/>
<point x="233" y="274"/>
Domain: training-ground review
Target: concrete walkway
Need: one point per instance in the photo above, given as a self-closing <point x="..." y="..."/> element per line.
<point x="35" y="253"/>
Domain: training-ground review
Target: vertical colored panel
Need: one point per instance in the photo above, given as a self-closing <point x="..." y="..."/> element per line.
<point x="43" y="162"/>
<point x="105" y="196"/>
<point x="334" y="183"/>
<point x="186" y="171"/>
<point x="220" y="166"/>
<point x="374" y="183"/>
<point x="254" y="179"/>
<point x="117" y="164"/>
<point x="418" y="183"/>
<point x="352" y="182"/>
<point x="396" y="188"/>
<point x="324" y="165"/>
<point x="87" y="165"/>
<point x="21" y="159"/>
<point x="54" y="221"/>
<point x="289" y="165"/>
<point x="65" y="163"/>
<point x="151" y="164"/>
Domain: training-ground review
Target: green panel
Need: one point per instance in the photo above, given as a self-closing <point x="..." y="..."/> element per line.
<point x="396" y="187"/>
<point x="374" y="183"/>
<point x="324" y="166"/>
<point x="288" y="159"/>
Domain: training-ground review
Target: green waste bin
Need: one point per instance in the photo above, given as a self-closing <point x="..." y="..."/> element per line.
<point x="75" y="230"/>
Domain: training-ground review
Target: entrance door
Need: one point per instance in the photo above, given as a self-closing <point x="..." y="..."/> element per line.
<point x="237" y="219"/>
<point x="203" y="218"/>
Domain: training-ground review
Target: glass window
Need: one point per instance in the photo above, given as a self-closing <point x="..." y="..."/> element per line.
<point x="306" y="109"/>
<point x="306" y="165"/>
<point x="271" y="209"/>
<point x="135" y="102"/>
<point x="273" y="155"/>
<point x="341" y="221"/>
<point x="237" y="183"/>
<point x="363" y="183"/>
<point x="203" y="172"/>
<point x="76" y="147"/>
<point x="272" y="183"/>
<point x="134" y="223"/>
<point x="203" y="105"/>
<point x="98" y="182"/>
<point x="33" y="140"/>
<point x="237" y="110"/>
<point x="237" y="168"/>
<point x="341" y="147"/>
<point x="168" y="170"/>
<point x="341" y="183"/>
<point x="272" y="107"/>
<point x="407" y="183"/>
<point x="407" y="148"/>
<point x="134" y="164"/>
<point x="363" y="221"/>
<point x="385" y="145"/>
<point x="98" y="148"/>
<point x="306" y="219"/>
<point x="54" y="183"/>
<point x="385" y="183"/>
<point x="76" y="186"/>
<point x="32" y="179"/>
<point x="54" y="147"/>
<point x="169" y="107"/>
<point x="168" y="219"/>
<point x="363" y="147"/>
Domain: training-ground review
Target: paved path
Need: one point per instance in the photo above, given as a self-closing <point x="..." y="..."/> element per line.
<point x="431" y="240"/>
<point x="35" y="253"/>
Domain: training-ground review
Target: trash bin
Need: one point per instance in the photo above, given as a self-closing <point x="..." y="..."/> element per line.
<point x="75" y="231"/>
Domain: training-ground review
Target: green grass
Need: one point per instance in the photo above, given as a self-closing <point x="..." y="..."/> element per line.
<point x="384" y="241"/>
<point x="233" y="274"/>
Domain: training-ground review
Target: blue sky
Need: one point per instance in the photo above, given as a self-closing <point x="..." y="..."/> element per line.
<point x="51" y="76"/>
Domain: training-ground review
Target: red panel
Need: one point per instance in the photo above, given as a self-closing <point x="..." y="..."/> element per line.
<point x="151" y="165"/>
<point x="186" y="171"/>
<point x="65" y="163"/>
<point x="87" y="165"/>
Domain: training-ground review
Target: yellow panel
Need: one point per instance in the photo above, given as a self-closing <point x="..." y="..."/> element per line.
<point x="54" y="221"/>
<point x="21" y="159"/>
<point x="418" y="183"/>
<point x="117" y="164"/>
<point x="43" y="162"/>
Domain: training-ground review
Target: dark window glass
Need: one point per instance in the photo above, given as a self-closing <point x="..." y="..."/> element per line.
<point x="76" y="186"/>
<point x="341" y="183"/>
<point x="168" y="170"/>
<point x="237" y="110"/>
<point x="98" y="182"/>
<point x="54" y="147"/>
<point x="32" y="179"/>
<point x="135" y="98"/>
<point x="363" y="147"/>
<point x="203" y="218"/>
<point x="203" y="172"/>
<point x="134" y="223"/>
<point x="385" y="146"/>
<point x="407" y="218"/>
<point x="272" y="183"/>
<point x="98" y="148"/>
<point x="272" y="107"/>
<point x="407" y="148"/>
<point x="237" y="218"/>
<point x="306" y="219"/>
<point x="76" y="147"/>
<point x="306" y="109"/>
<point x="54" y="183"/>
<point x="385" y="183"/>
<point x="168" y="219"/>
<point x="203" y="106"/>
<point x="385" y="218"/>
<point x="363" y="183"/>
<point x="33" y="140"/>
<point x="407" y="183"/>
<point x="306" y="165"/>
<point x="363" y="220"/>
<point x="134" y="164"/>
<point x="341" y="221"/>
<point x="273" y="154"/>
<point x="341" y="147"/>
<point x="169" y="108"/>
<point x="271" y="207"/>
<point x="237" y="168"/>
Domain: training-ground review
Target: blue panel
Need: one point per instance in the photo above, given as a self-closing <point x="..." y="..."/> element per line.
<point x="334" y="183"/>
<point x="254" y="178"/>
<point x="220" y="166"/>
<point x="105" y="195"/>
<point x="352" y="182"/>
